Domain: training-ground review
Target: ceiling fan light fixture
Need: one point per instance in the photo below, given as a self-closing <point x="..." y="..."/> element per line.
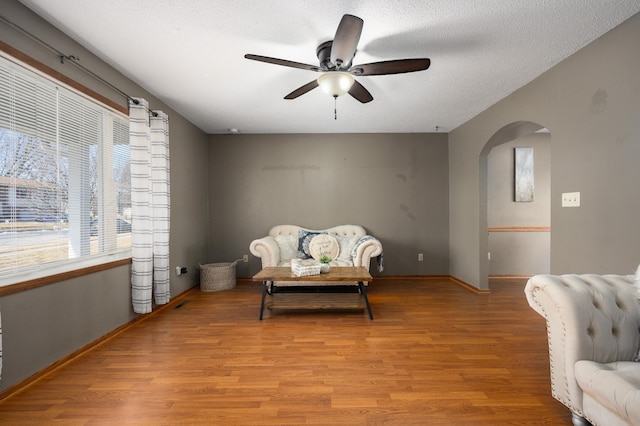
<point x="335" y="83"/>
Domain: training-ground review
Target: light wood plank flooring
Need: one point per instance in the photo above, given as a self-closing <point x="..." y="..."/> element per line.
<point x="435" y="354"/>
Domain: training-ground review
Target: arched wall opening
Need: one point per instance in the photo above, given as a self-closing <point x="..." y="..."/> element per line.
<point x="494" y="235"/>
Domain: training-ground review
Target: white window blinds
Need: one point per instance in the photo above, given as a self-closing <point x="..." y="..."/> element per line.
<point x="64" y="175"/>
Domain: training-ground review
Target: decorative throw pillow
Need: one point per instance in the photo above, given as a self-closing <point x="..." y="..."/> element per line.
<point x="346" y="247"/>
<point x="304" y="238"/>
<point x="288" y="247"/>
<point x="324" y="245"/>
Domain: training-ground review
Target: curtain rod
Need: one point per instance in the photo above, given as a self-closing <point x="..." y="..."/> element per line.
<point x="74" y="60"/>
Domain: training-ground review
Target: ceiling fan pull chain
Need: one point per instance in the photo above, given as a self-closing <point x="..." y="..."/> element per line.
<point x="335" y="107"/>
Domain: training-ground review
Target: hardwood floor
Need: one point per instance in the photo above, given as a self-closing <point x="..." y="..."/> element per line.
<point x="435" y="354"/>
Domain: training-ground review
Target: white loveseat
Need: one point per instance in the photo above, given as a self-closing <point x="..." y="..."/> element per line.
<point x="593" y="324"/>
<point x="286" y="242"/>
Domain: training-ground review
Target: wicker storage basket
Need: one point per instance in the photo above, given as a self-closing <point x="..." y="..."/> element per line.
<point x="218" y="276"/>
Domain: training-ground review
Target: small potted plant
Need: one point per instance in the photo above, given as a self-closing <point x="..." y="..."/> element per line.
<point x="324" y="263"/>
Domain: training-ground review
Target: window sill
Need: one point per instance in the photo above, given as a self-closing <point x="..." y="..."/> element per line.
<point x="63" y="276"/>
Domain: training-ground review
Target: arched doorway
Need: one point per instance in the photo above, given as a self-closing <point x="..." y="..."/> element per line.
<point x="518" y="238"/>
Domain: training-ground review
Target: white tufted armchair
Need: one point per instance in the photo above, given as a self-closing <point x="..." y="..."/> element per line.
<point x="593" y="327"/>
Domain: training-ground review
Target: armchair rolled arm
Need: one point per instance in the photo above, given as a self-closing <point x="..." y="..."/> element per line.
<point x="267" y="249"/>
<point x="366" y="248"/>
<point x="588" y="317"/>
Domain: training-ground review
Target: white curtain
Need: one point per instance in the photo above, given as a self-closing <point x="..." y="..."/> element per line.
<point x="149" y="145"/>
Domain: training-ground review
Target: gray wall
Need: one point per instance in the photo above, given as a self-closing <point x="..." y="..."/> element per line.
<point x="519" y="253"/>
<point x="399" y="187"/>
<point x="395" y="185"/>
<point x="43" y="325"/>
<point x="591" y="105"/>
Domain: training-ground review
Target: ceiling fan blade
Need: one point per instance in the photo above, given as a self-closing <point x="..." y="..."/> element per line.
<point x="360" y="93"/>
<point x="397" y="66"/>
<point x="346" y="40"/>
<point x="282" y="62"/>
<point x="302" y="90"/>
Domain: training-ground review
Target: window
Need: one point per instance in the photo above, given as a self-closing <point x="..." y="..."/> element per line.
<point x="64" y="177"/>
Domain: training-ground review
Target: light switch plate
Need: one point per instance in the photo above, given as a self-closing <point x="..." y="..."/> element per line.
<point x="570" y="199"/>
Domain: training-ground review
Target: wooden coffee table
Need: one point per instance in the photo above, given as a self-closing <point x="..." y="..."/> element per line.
<point x="348" y="275"/>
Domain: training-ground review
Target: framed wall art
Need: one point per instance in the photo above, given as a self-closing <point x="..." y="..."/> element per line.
<point x="524" y="182"/>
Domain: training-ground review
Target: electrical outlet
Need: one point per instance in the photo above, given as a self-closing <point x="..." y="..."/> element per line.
<point x="178" y="270"/>
<point x="420" y="257"/>
<point x="488" y="255"/>
<point x="245" y="258"/>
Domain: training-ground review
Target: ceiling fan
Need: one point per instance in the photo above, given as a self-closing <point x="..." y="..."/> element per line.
<point x="336" y="58"/>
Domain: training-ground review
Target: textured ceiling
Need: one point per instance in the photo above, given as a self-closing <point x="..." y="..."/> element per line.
<point x="190" y="54"/>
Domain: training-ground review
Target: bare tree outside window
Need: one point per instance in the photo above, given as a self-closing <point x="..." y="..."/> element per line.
<point x="39" y="178"/>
